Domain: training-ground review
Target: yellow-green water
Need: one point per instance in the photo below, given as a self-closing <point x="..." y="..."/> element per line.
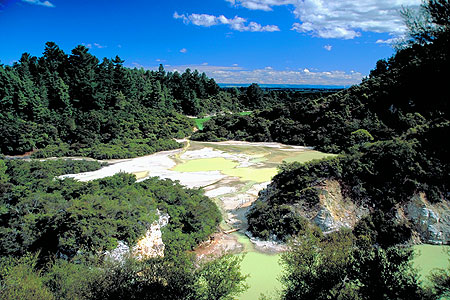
<point x="429" y="257"/>
<point x="227" y="167"/>
<point x="206" y="164"/>
<point x="263" y="270"/>
<point x="252" y="174"/>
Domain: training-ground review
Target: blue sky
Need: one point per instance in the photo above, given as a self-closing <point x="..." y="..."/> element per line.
<point x="327" y="42"/>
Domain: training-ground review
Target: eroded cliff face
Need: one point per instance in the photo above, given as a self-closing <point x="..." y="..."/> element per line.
<point x="149" y="246"/>
<point x="333" y="210"/>
<point x="430" y="222"/>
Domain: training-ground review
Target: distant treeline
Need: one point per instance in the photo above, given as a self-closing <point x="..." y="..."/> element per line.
<point x="76" y="104"/>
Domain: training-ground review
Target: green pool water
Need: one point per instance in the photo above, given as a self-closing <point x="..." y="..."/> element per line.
<point x="252" y="174"/>
<point x="227" y="167"/>
<point x="263" y="270"/>
<point x="429" y="257"/>
<point x="206" y="164"/>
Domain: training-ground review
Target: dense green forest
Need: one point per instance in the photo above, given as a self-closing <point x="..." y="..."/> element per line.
<point x="63" y="217"/>
<point x="387" y="130"/>
<point x="388" y="133"/>
<point x="66" y="105"/>
<point x="54" y="233"/>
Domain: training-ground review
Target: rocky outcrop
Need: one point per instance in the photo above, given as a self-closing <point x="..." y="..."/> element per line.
<point x="149" y="246"/>
<point x="430" y="221"/>
<point x="333" y="210"/>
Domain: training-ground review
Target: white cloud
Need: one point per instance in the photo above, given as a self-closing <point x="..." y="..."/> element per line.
<point x="390" y="41"/>
<point x="94" y="45"/>
<point x="236" y="23"/>
<point x="344" y="19"/>
<point x="261" y="4"/>
<point x="328" y="47"/>
<point x="237" y="75"/>
<point x="203" y="68"/>
<point x="137" y="65"/>
<point x="39" y="2"/>
<point x="184" y="50"/>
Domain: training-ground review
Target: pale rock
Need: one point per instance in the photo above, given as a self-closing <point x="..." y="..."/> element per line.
<point x="430" y="221"/>
<point x="150" y="245"/>
<point x="333" y="210"/>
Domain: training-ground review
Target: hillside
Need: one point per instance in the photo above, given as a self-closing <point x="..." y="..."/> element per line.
<point x="388" y="131"/>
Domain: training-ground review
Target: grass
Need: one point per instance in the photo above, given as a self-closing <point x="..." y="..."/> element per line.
<point x="199" y="121"/>
<point x="429" y="257"/>
<point x="307" y="156"/>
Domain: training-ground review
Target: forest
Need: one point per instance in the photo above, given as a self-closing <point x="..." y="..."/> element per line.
<point x="54" y="235"/>
<point x="75" y="105"/>
<point x="387" y="133"/>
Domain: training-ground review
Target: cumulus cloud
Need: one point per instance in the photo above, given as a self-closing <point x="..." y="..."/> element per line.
<point x="390" y="41"/>
<point x="344" y="19"/>
<point x="94" y="45"/>
<point x="260" y="4"/>
<point x="236" y="23"/>
<point x="328" y="47"/>
<point x="41" y="3"/>
<point x="97" y="45"/>
<point x="183" y="50"/>
<point x="237" y="75"/>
